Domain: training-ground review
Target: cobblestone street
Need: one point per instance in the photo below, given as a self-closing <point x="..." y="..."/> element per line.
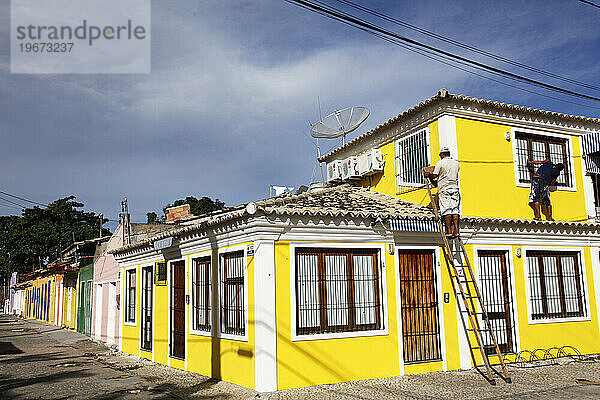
<point x="39" y="361"/>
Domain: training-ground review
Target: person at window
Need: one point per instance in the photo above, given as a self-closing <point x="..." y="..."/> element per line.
<point x="446" y="172"/>
<point x="544" y="177"/>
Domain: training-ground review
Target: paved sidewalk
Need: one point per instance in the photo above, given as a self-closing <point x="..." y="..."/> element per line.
<point x="39" y="361"/>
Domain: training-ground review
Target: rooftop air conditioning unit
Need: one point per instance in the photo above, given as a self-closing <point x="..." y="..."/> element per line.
<point x="350" y="168"/>
<point x="371" y="162"/>
<point x="334" y="171"/>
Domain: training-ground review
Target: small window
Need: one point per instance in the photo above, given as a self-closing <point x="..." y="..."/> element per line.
<point x="233" y="316"/>
<point x="556" y="286"/>
<point x="161" y="273"/>
<point x="412" y="154"/>
<point x="337" y="291"/>
<point x="201" y="292"/>
<point x="530" y="147"/>
<point x="130" y="294"/>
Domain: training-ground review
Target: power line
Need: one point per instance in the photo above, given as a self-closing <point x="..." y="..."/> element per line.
<point x="463" y="45"/>
<point x="590" y="3"/>
<point x="368" y="27"/>
<point x="21" y="198"/>
<point x="12" y="202"/>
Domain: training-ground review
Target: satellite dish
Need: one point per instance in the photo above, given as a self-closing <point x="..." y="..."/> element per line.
<point x="339" y="123"/>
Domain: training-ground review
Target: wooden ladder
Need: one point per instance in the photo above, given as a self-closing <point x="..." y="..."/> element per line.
<point x="467" y="292"/>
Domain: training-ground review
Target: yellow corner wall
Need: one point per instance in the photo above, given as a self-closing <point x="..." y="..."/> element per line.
<point x="487" y="176"/>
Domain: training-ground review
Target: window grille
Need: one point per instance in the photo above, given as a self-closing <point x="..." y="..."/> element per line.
<point x="494" y="278"/>
<point x="532" y="147"/>
<point x="147" y="308"/>
<point x="337" y="291"/>
<point x="130" y="308"/>
<point x="412" y="154"/>
<point x="161" y="273"/>
<point x="201" y="289"/>
<point x="233" y="317"/>
<point x="556" y="285"/>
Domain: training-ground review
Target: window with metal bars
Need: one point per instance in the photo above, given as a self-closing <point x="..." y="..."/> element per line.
<point x="531" y="147"/>
<point x="130" y="295"/>
<point x="161" y="273"/>
<point x="412" y="154"/>
<point x="146" y="325"/>
<point x="555" y="284"/>
<point x="337" y="290"/>
<point x="201" y="289"/>
<point x="232" y="313"/>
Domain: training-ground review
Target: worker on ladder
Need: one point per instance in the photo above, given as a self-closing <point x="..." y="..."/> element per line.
<point x="446" y="173"/>
<point x="544" y="177"/>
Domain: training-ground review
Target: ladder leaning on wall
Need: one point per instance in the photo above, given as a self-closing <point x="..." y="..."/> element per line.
<point x="473" y="314"/>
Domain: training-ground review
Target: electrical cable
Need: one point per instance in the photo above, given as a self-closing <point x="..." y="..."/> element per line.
<point x="341" y="16"/>
<point x="21" y="198"/>
<point x="590" y="3"/>
<point x="12" y="202"/>
<point x="451" y="41"/>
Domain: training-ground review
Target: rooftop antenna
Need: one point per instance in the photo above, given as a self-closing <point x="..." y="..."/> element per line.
<point x="338" y="123"/>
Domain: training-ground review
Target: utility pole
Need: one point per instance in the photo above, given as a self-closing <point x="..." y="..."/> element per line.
<point x="125" y="221"/>
<point x="100" y="233"/>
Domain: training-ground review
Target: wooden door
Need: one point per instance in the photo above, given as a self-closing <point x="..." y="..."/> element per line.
<point x="146" y="326"/>
<point x="496" y="296"/>
<point x="177" y="287"/>
<point x="419" y="307"/>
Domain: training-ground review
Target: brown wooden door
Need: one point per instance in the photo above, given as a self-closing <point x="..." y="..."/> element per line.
<point x="146" y="325"/>
<point x="177" y="289"/>
<point x="496" y="296"/>
<point x="418" y="296"/>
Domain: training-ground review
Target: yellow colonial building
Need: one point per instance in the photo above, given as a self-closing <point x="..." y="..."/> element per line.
<point x="349" y="282"/>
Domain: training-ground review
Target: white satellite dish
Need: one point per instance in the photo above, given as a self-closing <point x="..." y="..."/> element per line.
<point x="339" y="123"/>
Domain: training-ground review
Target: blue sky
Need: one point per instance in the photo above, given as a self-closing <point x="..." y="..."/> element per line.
<point x="234" y="85"/>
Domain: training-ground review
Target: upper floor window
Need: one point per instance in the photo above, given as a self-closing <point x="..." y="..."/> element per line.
<point x="556" y="286"/>
<point x="532" y="147"/>
<point x="233" y="315"/>
<point x="201" y="292"/>
<point x="412" y="154"/>
<point x="130" y="281"/>
<point x="337" y="290"/>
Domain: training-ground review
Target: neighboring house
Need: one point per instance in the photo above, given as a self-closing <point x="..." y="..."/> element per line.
<point x="107" y="283"/>
<point x="350" y="283"/>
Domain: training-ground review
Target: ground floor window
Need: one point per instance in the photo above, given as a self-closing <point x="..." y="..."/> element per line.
<point x="201" y="290"/>
<point x="337" y="290"/>
<point x="232" y="313"/>
<point x="556" y="286"/>
<point x="130" y="282"/>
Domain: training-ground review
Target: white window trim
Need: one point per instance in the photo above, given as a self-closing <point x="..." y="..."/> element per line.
<point x="568" y="138"/>
<point x="511" y="270"/>
<point x="339" y="335"/>
<point x="397" y="157"/>
<point x="193" y="331"/>
<point x="586" y="288"/>
<point x="221" y="252"/>
<point x="151" y="265"/>
<point x="126" y="297"/>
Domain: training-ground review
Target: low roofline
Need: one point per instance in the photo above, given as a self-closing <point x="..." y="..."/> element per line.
<point x="443" y="95"/>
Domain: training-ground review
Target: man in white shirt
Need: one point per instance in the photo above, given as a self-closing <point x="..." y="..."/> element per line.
<point x="446" y="172"/>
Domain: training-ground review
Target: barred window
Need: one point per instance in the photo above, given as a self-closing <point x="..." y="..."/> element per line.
<point x="130" y="295"/>
<point x="337" y="290"/>
<point x="233" y="317"/>
<point x="532" y="147"/>
<point x="556" y="285"/>
<point x="412" y="154"/>
<point x="201" y="289"/>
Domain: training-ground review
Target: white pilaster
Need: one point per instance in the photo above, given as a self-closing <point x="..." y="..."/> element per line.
<point x="447" y="131"/>
<point x="265" y="351"/>
<point x="595" y="253"/>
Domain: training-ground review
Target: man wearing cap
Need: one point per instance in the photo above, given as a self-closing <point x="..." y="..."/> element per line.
<point x="544" y="177"/>
<point x="446" y="172"/>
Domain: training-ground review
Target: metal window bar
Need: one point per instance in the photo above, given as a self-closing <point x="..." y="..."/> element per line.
<point x="146" y="325"/>
<point x="494" y="278"/>
<point x="420" y="322"/>
<point x="130" y="309"/>
<point x="201" y="289"/>
<point x="233" y="316"/>
<point x="412" y="154"/>
<point x="556" y="285"/>
<point x="531" y="147"/>
<point x="337" y="290"/>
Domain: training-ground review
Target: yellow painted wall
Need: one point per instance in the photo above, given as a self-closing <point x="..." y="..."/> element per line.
<point x="487" y="176"/>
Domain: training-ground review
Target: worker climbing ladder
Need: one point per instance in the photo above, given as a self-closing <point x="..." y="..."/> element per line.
<point x="473" y="314"/>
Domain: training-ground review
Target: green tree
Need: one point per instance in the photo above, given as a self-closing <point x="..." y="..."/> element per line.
<point x="40" y="234"/>
<point x="151" y="217"/>
<point x="199" y="206"/>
